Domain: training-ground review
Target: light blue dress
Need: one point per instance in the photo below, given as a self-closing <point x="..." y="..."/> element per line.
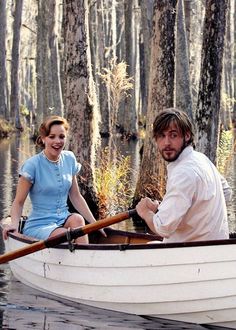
<point x="51" y="183"/>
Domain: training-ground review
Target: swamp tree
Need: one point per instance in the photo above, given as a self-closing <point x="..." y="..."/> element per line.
<point x="227" y="99"/>
<point x="80" y="96"/>
<point x="209" y="97"/>
<point x="146" y="8"/>
<point x="49" y="94"/>
<point x="15" y="64"/>
<point x="161" y="95"/>
<point x="99" y="59"/>
<point x="3" y="85"/>
<point x="132" y="37"/>
<point x="182" y="82"/>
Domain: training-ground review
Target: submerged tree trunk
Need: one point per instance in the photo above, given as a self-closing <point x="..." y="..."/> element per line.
<point x="15" y="64"/>
<point x="80" y="97"/>
<point x="183" y="90"/>
<point x="196" y="11"/>
<point x="49" y="94"/>
<point x="146" y="20"/>
<point x="161" y="95"/>
<point x="132" y="33"/>
<point x="55" y="88"/>
<point x="3" y="83"/>
<point x="208" y="106"/>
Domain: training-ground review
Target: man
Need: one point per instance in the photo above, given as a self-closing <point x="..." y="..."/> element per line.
<point x="194" y="206"/>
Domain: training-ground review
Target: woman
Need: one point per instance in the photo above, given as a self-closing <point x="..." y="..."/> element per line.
<point x="49" y="178"/>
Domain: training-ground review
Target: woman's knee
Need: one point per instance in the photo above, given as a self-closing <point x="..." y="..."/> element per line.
<point x="75" y="220"/>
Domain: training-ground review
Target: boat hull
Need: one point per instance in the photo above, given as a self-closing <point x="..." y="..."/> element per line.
<point x="188" y="283"/>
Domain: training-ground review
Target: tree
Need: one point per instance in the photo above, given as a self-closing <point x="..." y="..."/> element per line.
<point x="209" y="97"/>
<point x="80" y="96"/>
<point x="183" y="88"/>
<point x="99" y="59"/>
<point x="161" y="95"/>
<point x="15" y="62"/>
<point x="49" y="94"/>
<point x="3" y="102"/>
<point x="146" y="20"/>
<point x="132" y="37"/>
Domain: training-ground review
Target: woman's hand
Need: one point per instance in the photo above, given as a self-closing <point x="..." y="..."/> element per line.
<point x="7" y="229"/>
<point x="103" y="232"/>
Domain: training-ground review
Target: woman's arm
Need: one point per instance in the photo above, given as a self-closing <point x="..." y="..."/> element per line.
<point x="22" y="191"/>
<point x="79" y="202"/>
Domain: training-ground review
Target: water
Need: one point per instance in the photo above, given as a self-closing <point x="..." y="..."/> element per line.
<point x="24" y="308"/>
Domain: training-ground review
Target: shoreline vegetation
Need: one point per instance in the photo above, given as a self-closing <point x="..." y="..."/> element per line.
<point x="112" y="176"/>
<point x="6" y="129"/>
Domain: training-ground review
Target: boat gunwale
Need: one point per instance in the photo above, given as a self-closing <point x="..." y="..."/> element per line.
<point x="129" y="246"/>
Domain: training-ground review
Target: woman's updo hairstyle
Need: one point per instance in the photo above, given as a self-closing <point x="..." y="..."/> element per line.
<point x="45" y="128"/>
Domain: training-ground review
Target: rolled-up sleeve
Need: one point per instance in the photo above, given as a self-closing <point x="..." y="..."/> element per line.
<point x="27" y="170"/>
<point x="226" y="189"/>
<point x="175" y="204"/>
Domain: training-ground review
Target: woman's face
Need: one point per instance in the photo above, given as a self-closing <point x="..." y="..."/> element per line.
<point x="55" y="141"/>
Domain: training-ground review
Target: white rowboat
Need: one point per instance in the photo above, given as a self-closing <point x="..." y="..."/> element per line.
<point x="189" y="282"/>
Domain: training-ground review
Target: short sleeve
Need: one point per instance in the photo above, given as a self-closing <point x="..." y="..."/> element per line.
<point x="27" y="170"/>
<point x="76" y="167"/>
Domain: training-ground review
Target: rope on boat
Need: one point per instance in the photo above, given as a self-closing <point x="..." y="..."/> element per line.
<point x="71" y="244"/>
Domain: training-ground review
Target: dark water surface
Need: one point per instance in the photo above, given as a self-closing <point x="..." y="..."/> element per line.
<point x="24" y="308"/>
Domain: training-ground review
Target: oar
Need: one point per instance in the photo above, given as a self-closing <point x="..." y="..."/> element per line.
<point x="62" y="238"/>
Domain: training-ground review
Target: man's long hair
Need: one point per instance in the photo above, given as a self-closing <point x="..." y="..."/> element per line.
<point x="179" y="118"/>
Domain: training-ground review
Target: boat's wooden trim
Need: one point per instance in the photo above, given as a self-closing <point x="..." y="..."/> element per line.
<point x="122" y="240"/>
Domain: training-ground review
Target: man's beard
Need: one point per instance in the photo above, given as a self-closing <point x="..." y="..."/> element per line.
<point x="176" y="155"/>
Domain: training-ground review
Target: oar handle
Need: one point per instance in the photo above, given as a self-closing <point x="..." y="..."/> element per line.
<point x="62" y="238"/>
<point x="91" y="227"/>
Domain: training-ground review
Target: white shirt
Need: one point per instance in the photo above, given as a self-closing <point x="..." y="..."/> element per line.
<point x="194" y="206"/>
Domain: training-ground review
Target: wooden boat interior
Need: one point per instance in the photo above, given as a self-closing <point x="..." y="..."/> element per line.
<point x="122" y="240"/>
<point x="119" y="239"/>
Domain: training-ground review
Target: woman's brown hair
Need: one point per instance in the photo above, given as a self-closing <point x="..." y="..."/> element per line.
<point x="45" y="128"/>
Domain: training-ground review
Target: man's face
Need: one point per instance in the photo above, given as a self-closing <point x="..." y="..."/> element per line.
<point x="171" y="142"/>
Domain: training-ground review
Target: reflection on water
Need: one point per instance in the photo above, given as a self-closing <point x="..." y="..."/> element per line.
<point x="36" y="310"/>
<point x="24" y="308"/>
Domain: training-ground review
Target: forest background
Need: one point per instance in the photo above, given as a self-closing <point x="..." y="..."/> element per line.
<point x="109" y="66"/>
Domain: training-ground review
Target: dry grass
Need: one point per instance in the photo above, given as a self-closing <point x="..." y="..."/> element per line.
<point x="112" y="179"/>
<point x="225" y="151"/>
<point x="118" y="85"/>
<point x="5" y="128"/>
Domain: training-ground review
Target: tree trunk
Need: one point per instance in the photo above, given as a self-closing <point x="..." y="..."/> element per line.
<point x="132" y="34"/>
<point x="228" y="73"/>
<point x="3" y="86"/>
<point x="161" y="95"/>
<point x="42" y="87"/>
<point x="197" y="11"/>
<point x="80" y="97"/>
<point x="54" y="59"/>
<point x="209" y="98"/>
<point x="99" y="61"/>
<point x="49" y="93"/>
<point x="183" y="89"/>
<point x="146" y="19"/>
<point x="15" y="63"/>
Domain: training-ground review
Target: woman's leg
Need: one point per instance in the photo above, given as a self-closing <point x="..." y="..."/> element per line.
<point x="73" y="221"/>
